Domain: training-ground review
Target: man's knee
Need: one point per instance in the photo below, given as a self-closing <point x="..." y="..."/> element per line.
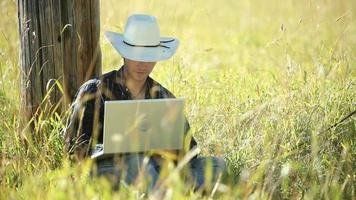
<point x="215" y="163"/>
<point x="207" y="170"/>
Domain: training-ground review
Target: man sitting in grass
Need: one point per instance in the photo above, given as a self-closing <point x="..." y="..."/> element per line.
<point x="141" y="47"/>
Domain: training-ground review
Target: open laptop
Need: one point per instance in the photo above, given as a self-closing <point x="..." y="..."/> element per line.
<point x="142" y="125"/>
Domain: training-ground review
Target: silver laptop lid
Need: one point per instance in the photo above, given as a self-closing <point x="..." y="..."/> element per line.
<point x="142" y="125"/>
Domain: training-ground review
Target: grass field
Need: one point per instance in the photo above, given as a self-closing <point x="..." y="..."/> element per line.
<point x="264" y="82"/>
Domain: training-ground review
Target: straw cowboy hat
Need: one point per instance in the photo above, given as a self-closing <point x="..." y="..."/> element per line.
<point x="141" y="40"/>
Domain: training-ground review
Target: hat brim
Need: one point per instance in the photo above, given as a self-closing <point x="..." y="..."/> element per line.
<point x="143" y="54"/>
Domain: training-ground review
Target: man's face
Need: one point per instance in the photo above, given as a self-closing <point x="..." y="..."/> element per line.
<point x="137" y="70"/>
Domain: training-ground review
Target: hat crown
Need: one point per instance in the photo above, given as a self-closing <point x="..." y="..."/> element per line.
<point x="142" y="30"/>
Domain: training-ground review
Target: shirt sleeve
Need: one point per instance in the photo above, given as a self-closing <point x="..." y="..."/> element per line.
<point x="79" y="129"/>
<point x="188" y="137"/>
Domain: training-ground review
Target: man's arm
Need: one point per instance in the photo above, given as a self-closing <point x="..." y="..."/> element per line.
<point x="78" y="131"/>
<point x="189" y="142"/>
<point x="189" y="139"/>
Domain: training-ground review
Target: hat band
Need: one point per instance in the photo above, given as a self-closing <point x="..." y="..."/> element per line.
<point x="158" y="45"/>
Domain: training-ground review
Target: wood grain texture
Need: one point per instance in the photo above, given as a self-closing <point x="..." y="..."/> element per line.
<point x="59" y="41"/>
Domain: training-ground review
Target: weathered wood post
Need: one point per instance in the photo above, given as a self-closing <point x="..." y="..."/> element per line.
<point x="59" y="44"/>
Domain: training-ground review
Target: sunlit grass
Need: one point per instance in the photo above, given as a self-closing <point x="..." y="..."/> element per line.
<point x="264" y="80"/>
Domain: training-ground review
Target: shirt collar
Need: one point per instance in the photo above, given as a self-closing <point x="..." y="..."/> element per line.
<point x="120" y="79"/>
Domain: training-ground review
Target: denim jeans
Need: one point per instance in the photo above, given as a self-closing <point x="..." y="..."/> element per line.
<point x="203" y="171"/>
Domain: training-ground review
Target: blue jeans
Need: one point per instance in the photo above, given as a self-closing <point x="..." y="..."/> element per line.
<point x="204" y="171"/>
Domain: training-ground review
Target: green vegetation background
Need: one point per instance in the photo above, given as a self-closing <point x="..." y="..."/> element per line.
<point x="263" y="81"/>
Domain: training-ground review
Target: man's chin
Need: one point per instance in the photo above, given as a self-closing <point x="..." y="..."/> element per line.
<point x="141" y="78"/>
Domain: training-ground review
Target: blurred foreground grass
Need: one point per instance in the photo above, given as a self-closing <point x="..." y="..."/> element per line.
<point x="263" y="81"/>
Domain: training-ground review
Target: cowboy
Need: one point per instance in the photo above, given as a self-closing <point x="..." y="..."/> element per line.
<point x="141" y="47"/>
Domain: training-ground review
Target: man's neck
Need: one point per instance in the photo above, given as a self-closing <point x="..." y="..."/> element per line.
<point x="136" y="88"/>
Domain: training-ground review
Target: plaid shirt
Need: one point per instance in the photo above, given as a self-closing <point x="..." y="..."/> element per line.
<point x="85" y="123"/>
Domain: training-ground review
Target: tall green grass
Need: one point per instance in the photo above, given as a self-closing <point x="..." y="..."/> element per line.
<point x="264" y="81"/>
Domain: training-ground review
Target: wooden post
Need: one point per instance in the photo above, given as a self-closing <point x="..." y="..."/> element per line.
<point x="59" y="43"/>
